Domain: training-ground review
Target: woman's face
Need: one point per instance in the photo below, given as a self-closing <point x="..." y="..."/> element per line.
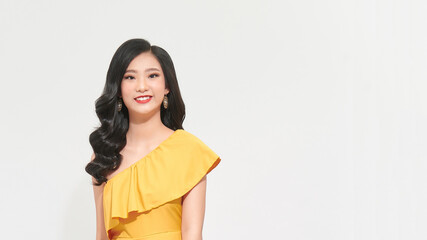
<point x="144" y="76"/>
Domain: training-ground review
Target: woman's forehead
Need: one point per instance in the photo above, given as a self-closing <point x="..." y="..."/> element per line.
<point x="143" y="61"/>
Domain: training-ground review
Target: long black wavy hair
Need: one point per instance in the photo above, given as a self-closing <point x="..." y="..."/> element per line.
<point x="110" y="137"/>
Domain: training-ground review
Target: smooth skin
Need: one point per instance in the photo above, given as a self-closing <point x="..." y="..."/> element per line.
<point x="193" y="211"/>
<point x="144" y="76"/>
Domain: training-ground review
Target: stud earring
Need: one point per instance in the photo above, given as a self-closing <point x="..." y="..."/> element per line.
<point x="165" y="102"/>
<point x="119" y="104"/>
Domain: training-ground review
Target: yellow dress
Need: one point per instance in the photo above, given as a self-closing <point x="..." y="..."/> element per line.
<point x="143" y="201"/>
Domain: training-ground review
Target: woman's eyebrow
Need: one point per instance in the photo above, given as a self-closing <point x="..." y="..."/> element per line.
<point x="146" y="70"/>
<point x="152" y="69"/>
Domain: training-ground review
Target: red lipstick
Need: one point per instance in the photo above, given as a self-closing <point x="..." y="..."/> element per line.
<point x="143" y="101"/>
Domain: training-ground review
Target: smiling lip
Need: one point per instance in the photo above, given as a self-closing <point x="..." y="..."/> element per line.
<point x="143" y="101"/>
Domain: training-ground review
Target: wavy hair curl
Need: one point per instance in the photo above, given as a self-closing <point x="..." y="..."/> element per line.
<point x="109" y="138"/>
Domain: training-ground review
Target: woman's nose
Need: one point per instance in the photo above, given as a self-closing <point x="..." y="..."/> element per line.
<point x="141" y="85"/>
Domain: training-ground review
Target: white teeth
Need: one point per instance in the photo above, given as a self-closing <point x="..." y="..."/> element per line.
<point x="143" y="98"/>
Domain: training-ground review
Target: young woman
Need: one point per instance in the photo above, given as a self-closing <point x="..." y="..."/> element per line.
<point x="148" y="173"/>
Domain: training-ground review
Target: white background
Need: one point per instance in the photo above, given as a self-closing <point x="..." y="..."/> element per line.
<point x="317" y="109"/>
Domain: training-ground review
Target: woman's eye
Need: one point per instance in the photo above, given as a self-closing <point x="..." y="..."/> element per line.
<point x="129" y="77"/>
<point x="153" y="75"/>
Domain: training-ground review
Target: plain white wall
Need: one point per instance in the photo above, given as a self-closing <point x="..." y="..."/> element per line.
<point x="317" y="109"/>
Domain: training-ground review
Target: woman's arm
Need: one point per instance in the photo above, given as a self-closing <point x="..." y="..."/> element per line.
<point x="193" y="211"/>
<point x="101" y="234"/>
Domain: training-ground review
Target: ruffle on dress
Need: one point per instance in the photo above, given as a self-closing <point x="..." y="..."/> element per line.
<point x="166" y="173"/>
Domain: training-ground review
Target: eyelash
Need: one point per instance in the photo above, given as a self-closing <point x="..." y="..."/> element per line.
<point x="151" y="76"/>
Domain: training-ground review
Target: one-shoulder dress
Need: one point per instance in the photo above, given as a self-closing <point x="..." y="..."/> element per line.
<point x="143" y="201"/>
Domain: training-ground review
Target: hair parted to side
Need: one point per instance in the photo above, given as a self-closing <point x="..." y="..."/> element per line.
<point x="110" y="137"/>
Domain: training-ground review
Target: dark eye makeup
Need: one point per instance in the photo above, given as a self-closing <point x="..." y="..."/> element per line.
<point x="153" y="75"/>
